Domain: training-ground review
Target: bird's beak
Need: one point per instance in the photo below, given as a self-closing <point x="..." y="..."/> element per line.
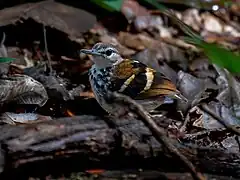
<point x="87" y="51"/>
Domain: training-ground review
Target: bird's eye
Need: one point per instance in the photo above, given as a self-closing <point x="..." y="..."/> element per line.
<point x="109" y="52"/>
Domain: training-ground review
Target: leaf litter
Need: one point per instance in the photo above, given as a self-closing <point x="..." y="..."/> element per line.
<point x="148" y="36"/>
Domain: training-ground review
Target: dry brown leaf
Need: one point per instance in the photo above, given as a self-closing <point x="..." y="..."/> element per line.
<point x="124" y="51"/>
<point x="64" y="18"/>
<point x="192" y="18"/>
<point x="131" y="9"/>
<point x="135" y="41"/>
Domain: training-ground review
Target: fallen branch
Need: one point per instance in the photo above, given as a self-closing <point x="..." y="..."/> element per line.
<point x="146" y="174"/>
<point x="88" y="142"/>
<point x="46" y="50"/>
<point x="158" y="132"/>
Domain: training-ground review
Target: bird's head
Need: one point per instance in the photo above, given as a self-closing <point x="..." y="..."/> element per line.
<point x="104" y="55"/>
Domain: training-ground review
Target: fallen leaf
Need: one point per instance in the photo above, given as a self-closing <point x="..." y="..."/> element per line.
<point x="67" y="19"/>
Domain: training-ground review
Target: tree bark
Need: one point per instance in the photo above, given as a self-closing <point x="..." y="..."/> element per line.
<point x="83" y="142"/>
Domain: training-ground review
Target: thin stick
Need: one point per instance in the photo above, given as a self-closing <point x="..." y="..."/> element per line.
<point x="158" y="132"/>
<point x="46" y="49"/>
<point x="2" y="46"/>
<point x="184" y="125"/>
<point x="217" y="117"/>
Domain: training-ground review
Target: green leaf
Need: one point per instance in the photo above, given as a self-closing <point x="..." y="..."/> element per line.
<point x="111" y="5"/>
<point x="218" y="55"/>
<point x="156" y="5"/>
<point x="6" y="59"/>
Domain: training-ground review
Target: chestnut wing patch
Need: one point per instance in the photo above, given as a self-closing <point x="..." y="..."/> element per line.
<point x="161" y="86"/>
<point x="140" y="82"/>
<point x="132" y="77"/>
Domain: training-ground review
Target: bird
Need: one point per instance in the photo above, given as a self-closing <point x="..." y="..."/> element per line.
<point x="111" y="72"/>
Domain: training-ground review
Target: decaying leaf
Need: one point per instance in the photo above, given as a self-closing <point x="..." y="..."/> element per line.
<point x="55" y="86"/>
<point x="22" y="118"/>
<point x="124" y="51"/>
<point x="192" y="18"/>
<point x="22" y="89"/>
<point x="69" y="20"/>
<point x="229" y="93"/>
<point x="137" y="42"/>
<point x="213" y="24"/>
<point x="161" y="50"/>
<point x="131" y="10"/>
<point x="142" y="18"/>
<point x="201" y="68"/>
<point x="219" y="138"/>
<point x="206" y="121"/>
<point x="193" y="89"/>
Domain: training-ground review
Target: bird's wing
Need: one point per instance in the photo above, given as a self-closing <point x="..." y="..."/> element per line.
<point x="129" y="77"/>
<point x="161" y="86"/>
<point x="138" y="81"/>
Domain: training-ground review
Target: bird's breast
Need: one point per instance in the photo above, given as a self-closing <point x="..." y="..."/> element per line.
<point x="100" y="80"/>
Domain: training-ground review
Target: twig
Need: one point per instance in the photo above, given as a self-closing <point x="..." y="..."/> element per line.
<point x="46" y="49"/>
<point x="158" y="132"/>
<point x="217" y="117"/>
<point x="184" y="125"/>
<point x="3" y="39"/>
<point x="3" y="50"/>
